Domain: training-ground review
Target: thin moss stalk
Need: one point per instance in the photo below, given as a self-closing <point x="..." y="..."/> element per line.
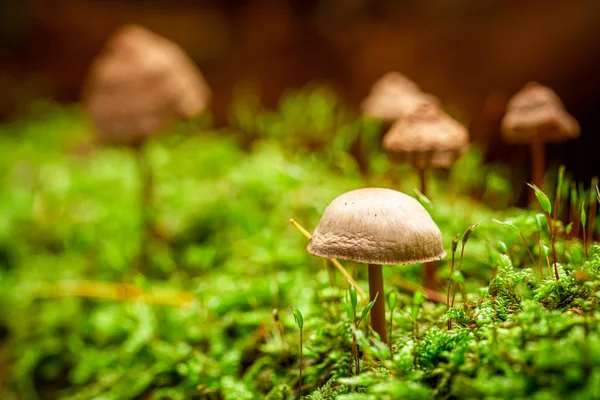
<point x="355" y="346"/>
<point x="454" y="288"/>
<point x="515" y="229"/>
<point x="552" y="241"/>
<point x="352" y="314"/>
<point x="392" y="299"/>
<point x="451" y="280"/>
<point x="592" y="210"/>
<point x="280" y="331"/>
<point x="539" y="219"/>
<point x="547" y="208"/>
<point x="583" y="223"/>
<point x="560" y="178"/>
<point x="300" y="322"/>
<point x="465" y="239"/>
<point x="572" y="208"/>
<point x="579" y="199"/>
<point x="416" y="307"/>
<point x="527" y="247"/>
<point x="539" y="243"/>
<point x="495" y="323"/>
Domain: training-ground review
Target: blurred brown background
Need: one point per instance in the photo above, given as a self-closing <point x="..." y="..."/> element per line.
<point x="472" y="54"/>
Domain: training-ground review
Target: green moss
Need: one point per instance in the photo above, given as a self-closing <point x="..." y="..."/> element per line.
<point x="222" y="233"/>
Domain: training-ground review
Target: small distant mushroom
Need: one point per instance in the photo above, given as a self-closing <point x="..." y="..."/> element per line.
<point x="535" y="116"/>
<point x="377" y="226"/>
<point x="394" y="80"/>
<point x="426" y="137"/>
<point x="394" y="96"/>
<point x="140" y="83"/>
<point x="136" y="86"/>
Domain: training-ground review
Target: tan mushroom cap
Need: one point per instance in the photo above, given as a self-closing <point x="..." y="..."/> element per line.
<point x="139" y="83"/>
<point x="393" y="96"/>
<point x="426" y="137"/>
<point x="395" y="82"/>
<point x="377" y="226"/>
<point x="536" y="112"/>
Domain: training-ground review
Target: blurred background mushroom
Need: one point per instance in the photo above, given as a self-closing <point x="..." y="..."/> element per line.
<point x="426" y="138"/>
<point x="138" y="85"/>
<point x="536" y="116"/>
<point x="394" y="96"/>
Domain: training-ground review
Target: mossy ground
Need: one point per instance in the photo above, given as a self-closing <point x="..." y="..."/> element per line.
<point x="223" y="248"/>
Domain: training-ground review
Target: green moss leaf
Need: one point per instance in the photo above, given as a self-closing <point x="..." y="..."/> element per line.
<point x="368" y="307"/>
<point x="542" y="198"/>
<point x="298" y="317"/>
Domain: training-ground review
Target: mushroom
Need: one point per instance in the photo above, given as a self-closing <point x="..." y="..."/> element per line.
<point x="377" y="226"/>
<point x="535" y="116"/>
<point x="426" y="137"/>
<point x="136" y="86"/>
<point x="394" y="80"/>
<point x="393" y="96"/>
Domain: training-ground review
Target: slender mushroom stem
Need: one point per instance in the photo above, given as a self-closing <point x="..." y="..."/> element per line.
<point x="538" y="162"/>
<point x="145" y="172"/>
<point x="422" y="179"/>
<point x="430" y="268"/>
<point x="429" y="275"/>
<point x="378" y="311"/>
